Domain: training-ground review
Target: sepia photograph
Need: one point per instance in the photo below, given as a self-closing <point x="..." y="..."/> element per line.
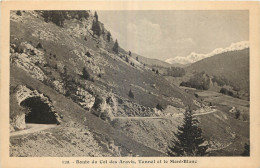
<point x="129" y="84"/>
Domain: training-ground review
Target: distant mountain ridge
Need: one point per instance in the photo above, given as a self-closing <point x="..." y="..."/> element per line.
<point x="156" y="62"/>
<point x="194" y="57"/>
<point x="233" y="65"/>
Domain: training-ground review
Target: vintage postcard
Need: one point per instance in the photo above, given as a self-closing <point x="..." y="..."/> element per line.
<point x="130" y="84"/>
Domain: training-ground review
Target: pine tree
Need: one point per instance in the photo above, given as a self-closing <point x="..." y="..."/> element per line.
<point x="129" y="53"/>
<point x="96" y="16"/>
<point x="85" y="74"/>
<point x="46" y="16"/>
<point x="93" y="25"/>
<point x="96" y="28"/>
<point x="189" y="141"/>
<point x="57" y="17"/>
<point x="108" y="36"/>
<point x="115" y="47"/>
<point x="130" y="94"/>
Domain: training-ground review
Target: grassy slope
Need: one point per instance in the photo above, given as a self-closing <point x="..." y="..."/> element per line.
<point x="122" y="77"/>
<point x="233" y="65"/>
<point x="73" y="112"/>
<point x="62" y="49"/>
<point x="150" y="61"/>
<point x="222" y="126"/>
<point x="129" y="75"/>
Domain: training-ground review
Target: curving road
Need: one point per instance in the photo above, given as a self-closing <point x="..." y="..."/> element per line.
<point x="138" y="118"/>
<point x="212" y="111"/>
<point x="32" y="128"/>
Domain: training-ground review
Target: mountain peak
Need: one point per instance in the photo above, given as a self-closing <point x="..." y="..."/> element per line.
<point x="194" y="57"/>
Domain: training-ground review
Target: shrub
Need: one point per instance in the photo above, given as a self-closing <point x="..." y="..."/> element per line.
<point x="19" y="13"/>
<point x="32" y="52"/>
<point x="198" y="81"/>
<point x="39" y="46"/>
<point x="130" y="94"/>
<point x="226" y="92"/>
<point x="88" y="54"/>
<point x="196" y="95"/>
<point x="159" y="107"/>
<point x="18" y="49"/>
<point x="246" y="150"/>
<point x="98" y="102"/>
<point x="130" y="53"/>
<point x="237" y="114"/>
<point x="85" y="74"/>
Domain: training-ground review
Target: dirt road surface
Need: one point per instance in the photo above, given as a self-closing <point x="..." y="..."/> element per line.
<point x="32" y="128"/>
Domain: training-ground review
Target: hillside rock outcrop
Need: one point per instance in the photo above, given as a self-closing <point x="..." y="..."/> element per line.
<point x="85" y="99"/>
<point x="26" y="57"/>
<point x="18" y="123"/>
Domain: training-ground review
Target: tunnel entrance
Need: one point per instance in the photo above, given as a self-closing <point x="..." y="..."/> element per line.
<point x="39" y="111"/>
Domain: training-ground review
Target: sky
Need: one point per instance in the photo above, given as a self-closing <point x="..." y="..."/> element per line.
<point x="167" y="34"/>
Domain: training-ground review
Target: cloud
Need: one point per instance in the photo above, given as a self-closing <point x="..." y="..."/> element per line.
<point x="145" y="31"/>
<point x="185" y="41"/>
<point x="143" y="35"/>
<point x="148" y="39"/>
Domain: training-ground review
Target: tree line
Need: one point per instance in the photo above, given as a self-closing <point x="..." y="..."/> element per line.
<point x="175" y="71"/>
<point x="59" y="16"/>
<point x="199" y="81"/>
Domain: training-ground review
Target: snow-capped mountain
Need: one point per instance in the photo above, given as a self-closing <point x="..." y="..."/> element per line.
<point x="194" y="57"/>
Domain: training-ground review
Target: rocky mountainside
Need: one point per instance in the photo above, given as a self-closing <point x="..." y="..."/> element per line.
<point x="62" y="58"/>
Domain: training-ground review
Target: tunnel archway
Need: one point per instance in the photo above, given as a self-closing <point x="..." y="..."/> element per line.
<point x="39" y="112"/>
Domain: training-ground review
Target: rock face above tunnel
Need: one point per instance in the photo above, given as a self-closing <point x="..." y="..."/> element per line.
<point x="39" y="108"/>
